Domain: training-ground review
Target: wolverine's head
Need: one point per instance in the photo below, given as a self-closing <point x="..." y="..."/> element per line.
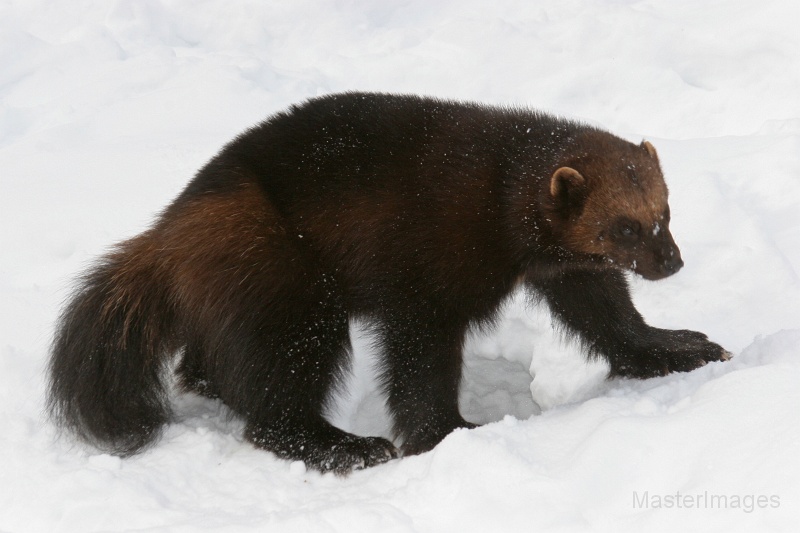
<point x="612" y="201"/>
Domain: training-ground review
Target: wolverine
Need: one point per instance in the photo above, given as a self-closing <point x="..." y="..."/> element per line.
<point x="415" y="216"/>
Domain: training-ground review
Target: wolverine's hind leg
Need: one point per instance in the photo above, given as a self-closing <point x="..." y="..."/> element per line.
<point x="271" y="330"/>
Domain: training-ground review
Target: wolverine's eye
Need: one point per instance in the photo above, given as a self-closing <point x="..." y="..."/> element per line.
<point x="627" y="230"/>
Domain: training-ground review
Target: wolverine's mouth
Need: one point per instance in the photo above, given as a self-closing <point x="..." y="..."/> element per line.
<point x="651" y="271"/>
<point x="658" y="269"/>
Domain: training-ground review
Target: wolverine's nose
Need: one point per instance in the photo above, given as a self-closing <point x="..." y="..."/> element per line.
<point x="671" y="265"/>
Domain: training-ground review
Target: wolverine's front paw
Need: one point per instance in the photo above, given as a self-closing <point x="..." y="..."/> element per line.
<point x="674" y="351"/>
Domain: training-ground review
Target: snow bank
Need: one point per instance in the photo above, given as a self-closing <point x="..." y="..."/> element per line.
<point x="107" y="108"/>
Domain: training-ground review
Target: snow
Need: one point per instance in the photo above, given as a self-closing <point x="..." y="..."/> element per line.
<point x="107" y="108"/>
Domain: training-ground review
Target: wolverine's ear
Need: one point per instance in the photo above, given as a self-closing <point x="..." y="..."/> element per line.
<point x="650" y="149"/>
<point x="565" y="182"/>
<point x="568" y="189"/>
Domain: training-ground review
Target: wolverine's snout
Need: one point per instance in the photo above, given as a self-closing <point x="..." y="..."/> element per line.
<point x="671" y="265"/>
<point x="667" y="257"/>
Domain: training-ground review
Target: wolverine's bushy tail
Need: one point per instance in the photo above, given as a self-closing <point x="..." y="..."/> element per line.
<point x="109" y="352"/>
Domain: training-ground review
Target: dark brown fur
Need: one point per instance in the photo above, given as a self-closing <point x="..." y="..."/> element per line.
<point x="416" y="216"/>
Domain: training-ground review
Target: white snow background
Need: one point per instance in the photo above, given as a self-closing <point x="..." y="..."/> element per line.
<point x="107" y="108"/>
